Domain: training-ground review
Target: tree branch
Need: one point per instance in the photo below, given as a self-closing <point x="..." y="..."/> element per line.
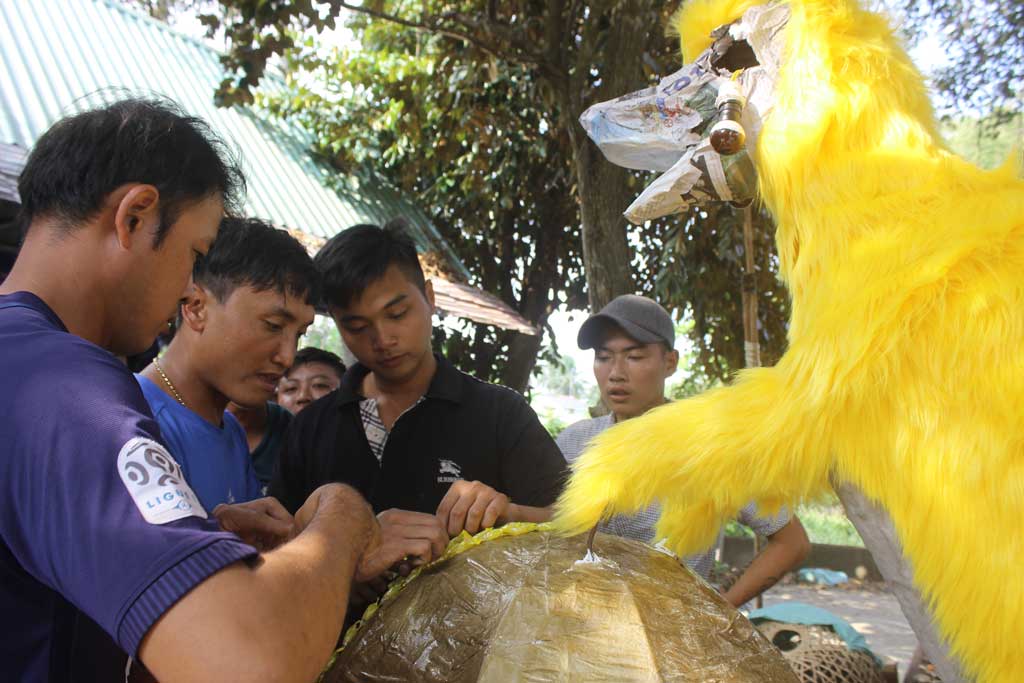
<point x="520" y="53"/>
<point x="504" y="32"/>
<point x="553" y="34"/>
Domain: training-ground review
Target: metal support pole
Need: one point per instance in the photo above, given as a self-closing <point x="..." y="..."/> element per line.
<point x="751" y="345"/>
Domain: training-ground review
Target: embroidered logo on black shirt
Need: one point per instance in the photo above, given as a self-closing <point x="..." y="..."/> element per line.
<point x="448" y="471"/>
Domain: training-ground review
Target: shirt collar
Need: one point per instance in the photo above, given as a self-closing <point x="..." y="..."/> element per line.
<point x="447" y="381"/>
<point x="33" y="302"/>
<point x="446" y="384"/>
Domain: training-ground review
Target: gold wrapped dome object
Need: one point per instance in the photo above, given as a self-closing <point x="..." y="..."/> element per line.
<point x="523" y="604"/>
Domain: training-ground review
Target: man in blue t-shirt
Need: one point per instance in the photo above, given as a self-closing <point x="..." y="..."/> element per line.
<point x="251" y="299"/>
<point x="213" y="457"/>
<point x="98" y="527"/>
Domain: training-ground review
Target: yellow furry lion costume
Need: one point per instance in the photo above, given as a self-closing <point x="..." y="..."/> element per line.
<point x="904" y="375"/>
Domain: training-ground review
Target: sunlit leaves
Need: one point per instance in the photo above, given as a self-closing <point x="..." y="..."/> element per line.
<point x="982" y="45"/>
<point x="473" y="113"/>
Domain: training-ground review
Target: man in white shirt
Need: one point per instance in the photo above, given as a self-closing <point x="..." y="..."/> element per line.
<point x="633" y="340"/>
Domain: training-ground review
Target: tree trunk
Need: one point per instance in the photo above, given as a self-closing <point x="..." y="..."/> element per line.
<point x="522" y="357"/>
<point x="523" y="348"/>
<point x="603" y="188"/>
<point x="604" y="195"/>
<point x="875" y="527"/>
<point x="751" y="348"/>
<point x="751" y="342"/>
<point x="482" y="352"/>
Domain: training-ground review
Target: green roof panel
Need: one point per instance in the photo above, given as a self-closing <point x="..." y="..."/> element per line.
<point x="63" y="56"/>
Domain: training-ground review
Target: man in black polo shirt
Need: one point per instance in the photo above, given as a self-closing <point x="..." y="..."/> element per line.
<point x="405" y="428"/>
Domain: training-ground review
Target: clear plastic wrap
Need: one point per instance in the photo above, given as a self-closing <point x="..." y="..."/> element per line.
<point x="665" y="128"/>
<point x="522" y="604"/>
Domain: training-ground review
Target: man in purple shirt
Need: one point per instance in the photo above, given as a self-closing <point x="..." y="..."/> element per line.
<point x="97" y="524"/>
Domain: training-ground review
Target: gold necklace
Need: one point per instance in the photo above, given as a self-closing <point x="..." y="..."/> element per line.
<point x="170" y="386"/>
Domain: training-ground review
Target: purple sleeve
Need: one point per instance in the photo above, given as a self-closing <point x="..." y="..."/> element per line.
<point x="92" y="505"/>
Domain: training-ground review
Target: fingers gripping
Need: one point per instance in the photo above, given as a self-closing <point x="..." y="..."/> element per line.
<point x="493" y="513"/>
<point x="475" y="514"/>
<point x="471" y="506"/>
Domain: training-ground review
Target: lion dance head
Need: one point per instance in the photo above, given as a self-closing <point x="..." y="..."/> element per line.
<point x="905" y="265"/>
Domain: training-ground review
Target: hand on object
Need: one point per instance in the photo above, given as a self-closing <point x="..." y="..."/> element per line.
<point x="262" y="523"/>
<point x="363" y="593"/>
<point x="473" y="506"/>
<point x="343" y="508"/>
<point x="407" y="539"/>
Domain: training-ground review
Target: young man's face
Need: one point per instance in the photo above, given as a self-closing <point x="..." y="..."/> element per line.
<point x="305" y="384"/>
<point x="248" y="341"/>
<point x="631" y="375"/>
<point x="388" y="327"/>
<point x="159" y="281"/>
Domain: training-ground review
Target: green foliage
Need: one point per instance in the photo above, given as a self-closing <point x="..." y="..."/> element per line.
<point x="157" y="9"/>
<point x="561" y="377"/>
<point x="323" y="334"/>
<point x="983" y="43"/>
<point x="828" y="524"/>
<point x="691" y="378"/>
<point x="553" y="58"/>
<point x="470" y="139"/>
<point x="692" y="382"/>
<point x="701" y="272"/>
<point x="554" y="424"/>
<point x="734" y="529"/>
<point x="472" y="108"/>
<point x="986" y="141"/>
<point x="824" y="523"/>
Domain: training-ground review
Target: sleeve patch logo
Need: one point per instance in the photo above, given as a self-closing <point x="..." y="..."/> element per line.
<point x="155" y="482"/>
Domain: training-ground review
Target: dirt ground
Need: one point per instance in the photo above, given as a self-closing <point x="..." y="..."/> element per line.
<point x="869" y="608"/>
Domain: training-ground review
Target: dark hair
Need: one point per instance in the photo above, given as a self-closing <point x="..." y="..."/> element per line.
<point x="250" y="252"/>
<point x="81" y="159"/>
<point x="311" y="354"/>
<point x="355" y="258"/>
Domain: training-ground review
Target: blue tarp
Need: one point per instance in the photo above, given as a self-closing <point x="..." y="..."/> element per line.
<point x="809" y="615"/>
<point x="822" y="577"/>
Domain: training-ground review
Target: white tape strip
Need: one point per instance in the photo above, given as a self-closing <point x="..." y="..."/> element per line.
<point x="717" y="173"/>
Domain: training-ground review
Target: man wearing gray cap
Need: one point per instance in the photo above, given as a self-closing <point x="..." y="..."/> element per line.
<point x="633" y="339"/>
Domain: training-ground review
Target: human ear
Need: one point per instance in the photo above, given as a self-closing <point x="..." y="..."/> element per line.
<point x="671" y="363"/>
<point x="136" y="214"/>
<point x="428" y="293"/>
<point x="194" y="309"/>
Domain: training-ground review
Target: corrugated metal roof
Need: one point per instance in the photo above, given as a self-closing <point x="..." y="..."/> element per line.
<point x="63" y="56"/>
<point x="454" y="297"/>
<point x="12" y="159"/>
<point x="469" y="302"/>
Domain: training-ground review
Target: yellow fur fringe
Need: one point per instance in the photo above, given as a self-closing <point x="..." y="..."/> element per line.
<point x="904" y="374"/>
<point x="694" y="21"/>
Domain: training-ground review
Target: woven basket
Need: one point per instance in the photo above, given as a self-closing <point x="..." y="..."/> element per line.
<point x="794" y="639"/>
<point x="818" y="655"/>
